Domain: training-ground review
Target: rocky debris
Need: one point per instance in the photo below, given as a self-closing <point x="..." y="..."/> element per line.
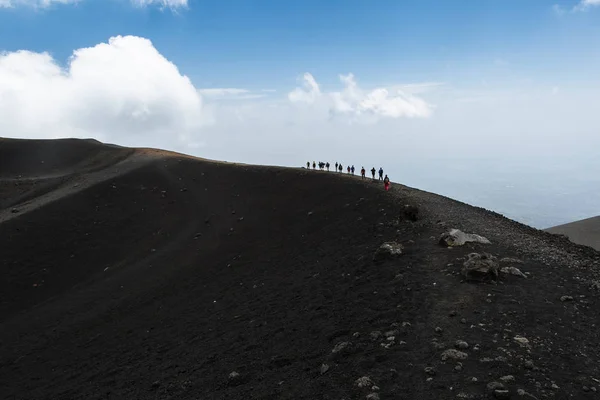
<point x="524" y="342"/>
<point x="387" y="251"/>
<point x="492" y="386"/>
<point x="375" y="335"/>
<point x="454" y="354"/>
<point x="566" y="298"/>
<point x="364" y="382"/>
<point x="452" y="313"/>
<point x="508" y="260"/>
<point x="14" y="210"/>
<point x="501" y="394"/>
<point x="513" y="271"/>
<point x="461" y="344"/>
<point x="324" y="368"/>
<point x="430" y="371"/>
<point x="438" y="329"/>
<point x="155" y="384"/>
<point x="340" y="347"/>
<point x="455" y="237"/>
<point x="529" y="364"/>
<point x="234" y="375"/>
<point x="393" y="333"/>
<point x="373" y="396"/>
<point x="480" y="267"/>
<point x="310" y="213"/>
<point x="507" y="379"/>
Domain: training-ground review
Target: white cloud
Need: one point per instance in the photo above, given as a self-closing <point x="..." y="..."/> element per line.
<point x="163" y="3"/>
<point x="123" y="91"/>
<point x="363" y="105"/>
<point x="584" y="5"/>
<point x="174" y="4"/>
<point x="231" y="94"/>
<point x="309" y="93"/>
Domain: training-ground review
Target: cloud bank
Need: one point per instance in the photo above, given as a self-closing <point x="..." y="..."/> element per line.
<point x="122" y="90"/>
<point x="356" y="102"/>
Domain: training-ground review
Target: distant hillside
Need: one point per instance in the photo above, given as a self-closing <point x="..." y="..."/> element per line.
<point x="585" y="232"/>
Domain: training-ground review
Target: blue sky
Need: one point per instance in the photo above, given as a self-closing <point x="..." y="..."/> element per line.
<point x="267" y="43"/>
<point x="490" y="102"/>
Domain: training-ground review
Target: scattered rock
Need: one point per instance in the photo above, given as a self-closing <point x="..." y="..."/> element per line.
<point x="388" y="251"/>
<point x="554" y="386"/>
<point x="458" y="367"/>
<point x="392" y="333"/>
<point x="324" y="368"/>
<point x="566" y="298"/>
<point x="502" y="394"/>
<point x="340" y="346"/>
<point x="454" y="354"/>
<point x="452" y="313"/>
<point x="310" y="213"/>
<point x="480" y="267"/>
<point x="595" y="285"/>
<point x="513" y="271"/>
<point x="461" y="344"/>
<point x="463" y="321"/>
<point x="524" y="342"/>
<point x="430" y="371"/>
<point x="495" y="386"/>
<point x="529" y="364"/>
<point x="373" y="396"/>
<point x="438" y="329"/>
<point x="375" y="335"/>
<point x="455" y="237"/>
<point x="507" y="379"/>
<point x="508" y="260"/>
<point x="364" y="381"/>
<point x="14" y="210"/>
<point x="155" y="384"/>
<point x="234" y="375"/>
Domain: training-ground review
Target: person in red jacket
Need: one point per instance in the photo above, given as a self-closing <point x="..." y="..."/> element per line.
<point x="386" y="183"/>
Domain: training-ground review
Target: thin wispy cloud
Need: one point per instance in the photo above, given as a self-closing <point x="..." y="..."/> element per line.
<point x="172" y="4"/>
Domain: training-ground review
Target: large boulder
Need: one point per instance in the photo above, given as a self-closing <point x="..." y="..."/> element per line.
<point x="455" y="237"/>
<point x="387" y="251"/>
<point x="480" y="267"/>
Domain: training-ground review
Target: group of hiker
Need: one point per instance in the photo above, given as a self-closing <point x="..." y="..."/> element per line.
<point x="350" y="170"/>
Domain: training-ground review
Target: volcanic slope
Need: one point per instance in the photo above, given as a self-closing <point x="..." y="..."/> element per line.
<point x="154" y="275"/>
<point x="585" y="232"/>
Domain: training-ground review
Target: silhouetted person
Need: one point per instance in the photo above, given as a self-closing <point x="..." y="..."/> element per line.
<point x="348" y="169"/>
<point x="336" y="166"/>
<point x="352" y="170"/>
<point x="314" y="165"/>
<point x="373" y="172"/>
<point x="380" y="173"/>
<point x="362" y="172"/>
<point x="308" y="165"/>
<point x="327" y="166"/>
<point x="386" y="183"/>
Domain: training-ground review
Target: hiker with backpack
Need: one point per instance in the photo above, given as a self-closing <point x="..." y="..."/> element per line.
<point x="386" y="183"/>
<point x="362" y="172"/>
<point x="381" y="174"/>
<point x="373" y="172"/>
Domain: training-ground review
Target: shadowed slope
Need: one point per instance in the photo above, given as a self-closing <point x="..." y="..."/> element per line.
<point x="162" y="278"/>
